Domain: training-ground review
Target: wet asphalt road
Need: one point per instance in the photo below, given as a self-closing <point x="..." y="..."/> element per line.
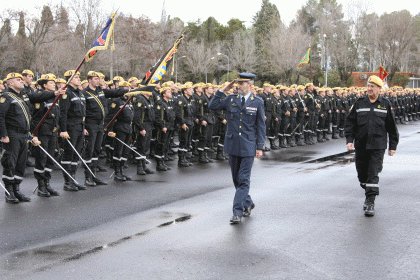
<point x="308" y="222"/>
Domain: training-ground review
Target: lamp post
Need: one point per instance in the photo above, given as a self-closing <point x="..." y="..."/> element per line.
<point x="326" y="59"/>
<point x="206" y="66"/>
<point x="227" y="77"/>
<point x="176" y="68"/>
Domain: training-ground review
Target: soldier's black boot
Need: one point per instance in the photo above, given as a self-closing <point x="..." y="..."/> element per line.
<point x="206" y="151"/>
<point x="108" y="156"/>
<point x="305" y="135"/>
<point x="68" y="186"/>
<point x="335" y="133"/>
<point x="290" y="141"/>
<point x="145" y="168"/>
<point x="202" y="157"/>
<point x="160" y="166"/>
<point x="50" y="189"/>
<point x="89" y="179"/>
<point x="219" y="155"/>
<point x="42" y="190"/>
<point x="370" y="206"/>
<point x="319" y="137"/>
<point x="78" y="186"/>
<point x="283" y="143"/>
<point x="140" y="170"/>
<point x="299" y="141"/>
<point x="118" y="175"/>
<point x="127" y="178"/>
<point x="20" y="196"/>
<point x="181" y="160"/>
<point x="10" y="198"/>
<point x="325" y="136"/>
<point x="98" y="181"/>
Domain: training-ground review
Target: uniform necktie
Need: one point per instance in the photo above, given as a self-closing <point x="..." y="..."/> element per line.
<point x="243" y="101"/>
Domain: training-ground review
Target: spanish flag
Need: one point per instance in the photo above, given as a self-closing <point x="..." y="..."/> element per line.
<point x="102" y="42"/>
<point x="156" y="73"/>
<point x="306" y="59"/>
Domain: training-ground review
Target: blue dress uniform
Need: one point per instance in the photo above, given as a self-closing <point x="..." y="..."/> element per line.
<point x="245" y="134"/>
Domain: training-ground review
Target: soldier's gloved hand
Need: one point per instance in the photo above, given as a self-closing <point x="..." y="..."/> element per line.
<point x="65" y="135"/>
<point x="35" y="141"/>
<point x="112" y="134"/>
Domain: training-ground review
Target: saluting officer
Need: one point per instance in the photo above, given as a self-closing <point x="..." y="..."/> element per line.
<point x="72" y="127"/>
<point x="42" y="100"/>
<point x="245" y="137"/>
<point x="368" y="126"/>
<point x="15" y="120"/>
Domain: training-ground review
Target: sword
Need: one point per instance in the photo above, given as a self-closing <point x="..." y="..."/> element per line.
<point x="295" y="129"/>
<point x="132" y="150"/>
<point x="1" y="156"/>
<point x="84" y="162"/>
<point x="53" y="159"/>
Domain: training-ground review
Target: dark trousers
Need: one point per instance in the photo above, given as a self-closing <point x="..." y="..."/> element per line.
<point x="241" y="174"/>
<point x="291" y="130"/>
<point x="368" y="165"/>
<point x="121" y="152"/>
<point x="70" y="159"/>
<point x="163" y="141"/>
<point x="143" y="142"/>
<point x="43" y="164"/>
<point x="321" y="123"/>
<point x="184" y="138"/>
<point x="14" y="157"/>
<point x="268" y="127"/>
<point x="284" y="125"/>
<point x="94" y="143"/>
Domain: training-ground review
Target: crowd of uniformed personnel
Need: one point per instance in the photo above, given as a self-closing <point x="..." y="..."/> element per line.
<point x="145" y="127"/>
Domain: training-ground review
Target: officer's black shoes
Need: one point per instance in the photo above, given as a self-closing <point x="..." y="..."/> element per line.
<point x="247" y="211"/>
<point x="140" y="170"/>
<point x="10" y="198"/>
<point x="20" y="196"/>
<point x="235" y="220"/>
<point x="42" y="189"/>
<point x="51" y="190"/>
<point x="370" y="206"/>
<point x="99" y="182"/>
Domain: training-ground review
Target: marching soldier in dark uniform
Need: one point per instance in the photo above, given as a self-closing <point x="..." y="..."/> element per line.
<point x="322" y="109"/>
<point x="185" y="118"/>
<point x="368" y="126"/>
<point x="72" y="126"/>
<point x="300" y="117"/>
<point x="245" y="139"/>
<point x="15" y="123"/>
<point x="121" y="128"/>
<point x="198" y="92"/>
<point x="310" y="114"/>
<point x="336" y="108"/>
<point x="47" y="133"/>
<point x="268" y="108"/>
<point x="344" y="111"/>
<point x="144" y="117"/>
<point x="164" y="123"/>
<point x="220" y="131"/>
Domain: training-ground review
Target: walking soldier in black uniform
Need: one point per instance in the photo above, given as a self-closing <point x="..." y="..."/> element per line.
<point x="369" y="125"/>
<point x="275" y="119"/>
<point x="15" y="122"/>
<point x="205" y="124"/>
<point x="144" y="117"/>
<point x="285" y="118"/>
<point x="185" y="118"/>
<point x="292" y="119"/>
<point x="47" y="133"/>
<point x="310" y="114"/>
<point x="72" y="126"/>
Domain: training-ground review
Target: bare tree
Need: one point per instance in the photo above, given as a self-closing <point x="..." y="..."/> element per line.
<point x="241" y="51"/>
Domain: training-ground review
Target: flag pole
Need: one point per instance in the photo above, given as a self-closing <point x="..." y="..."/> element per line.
<point x="58" y="97"/>
<point x="310" y="65"/>
<point x="119" y="111"/>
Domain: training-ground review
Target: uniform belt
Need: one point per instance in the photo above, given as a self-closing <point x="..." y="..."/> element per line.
<point x="17" y="129"/>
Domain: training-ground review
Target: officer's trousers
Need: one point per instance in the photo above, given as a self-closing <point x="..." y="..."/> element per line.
<point x="368" y="165"/>
<point x="14" y="158"/>
<point x="241" y="174"/>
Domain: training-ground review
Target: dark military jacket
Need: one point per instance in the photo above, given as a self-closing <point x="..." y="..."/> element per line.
<point x="184" y="111"/>
<point x="14" y="113"/>
<point x="144" y="112"/>
<point x="72" y="109"/>
<point x="42" y="101"/>
<point x="164" y="115"/>
<point x="124" y="119"/>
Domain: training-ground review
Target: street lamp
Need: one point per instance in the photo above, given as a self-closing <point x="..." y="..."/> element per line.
<point x="176" y="68"/>
<point x="326" y="60"/>
<point x="227" y="77"/>
<point x="206" y="66"/>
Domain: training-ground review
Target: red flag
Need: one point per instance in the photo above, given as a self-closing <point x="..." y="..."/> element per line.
<point x="382" y="73"/>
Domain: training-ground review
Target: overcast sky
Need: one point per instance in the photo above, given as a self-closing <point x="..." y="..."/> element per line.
<point x="221" y="10"/>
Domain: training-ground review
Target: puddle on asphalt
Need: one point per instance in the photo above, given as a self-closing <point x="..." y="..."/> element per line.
<point x="68" y="252"/>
